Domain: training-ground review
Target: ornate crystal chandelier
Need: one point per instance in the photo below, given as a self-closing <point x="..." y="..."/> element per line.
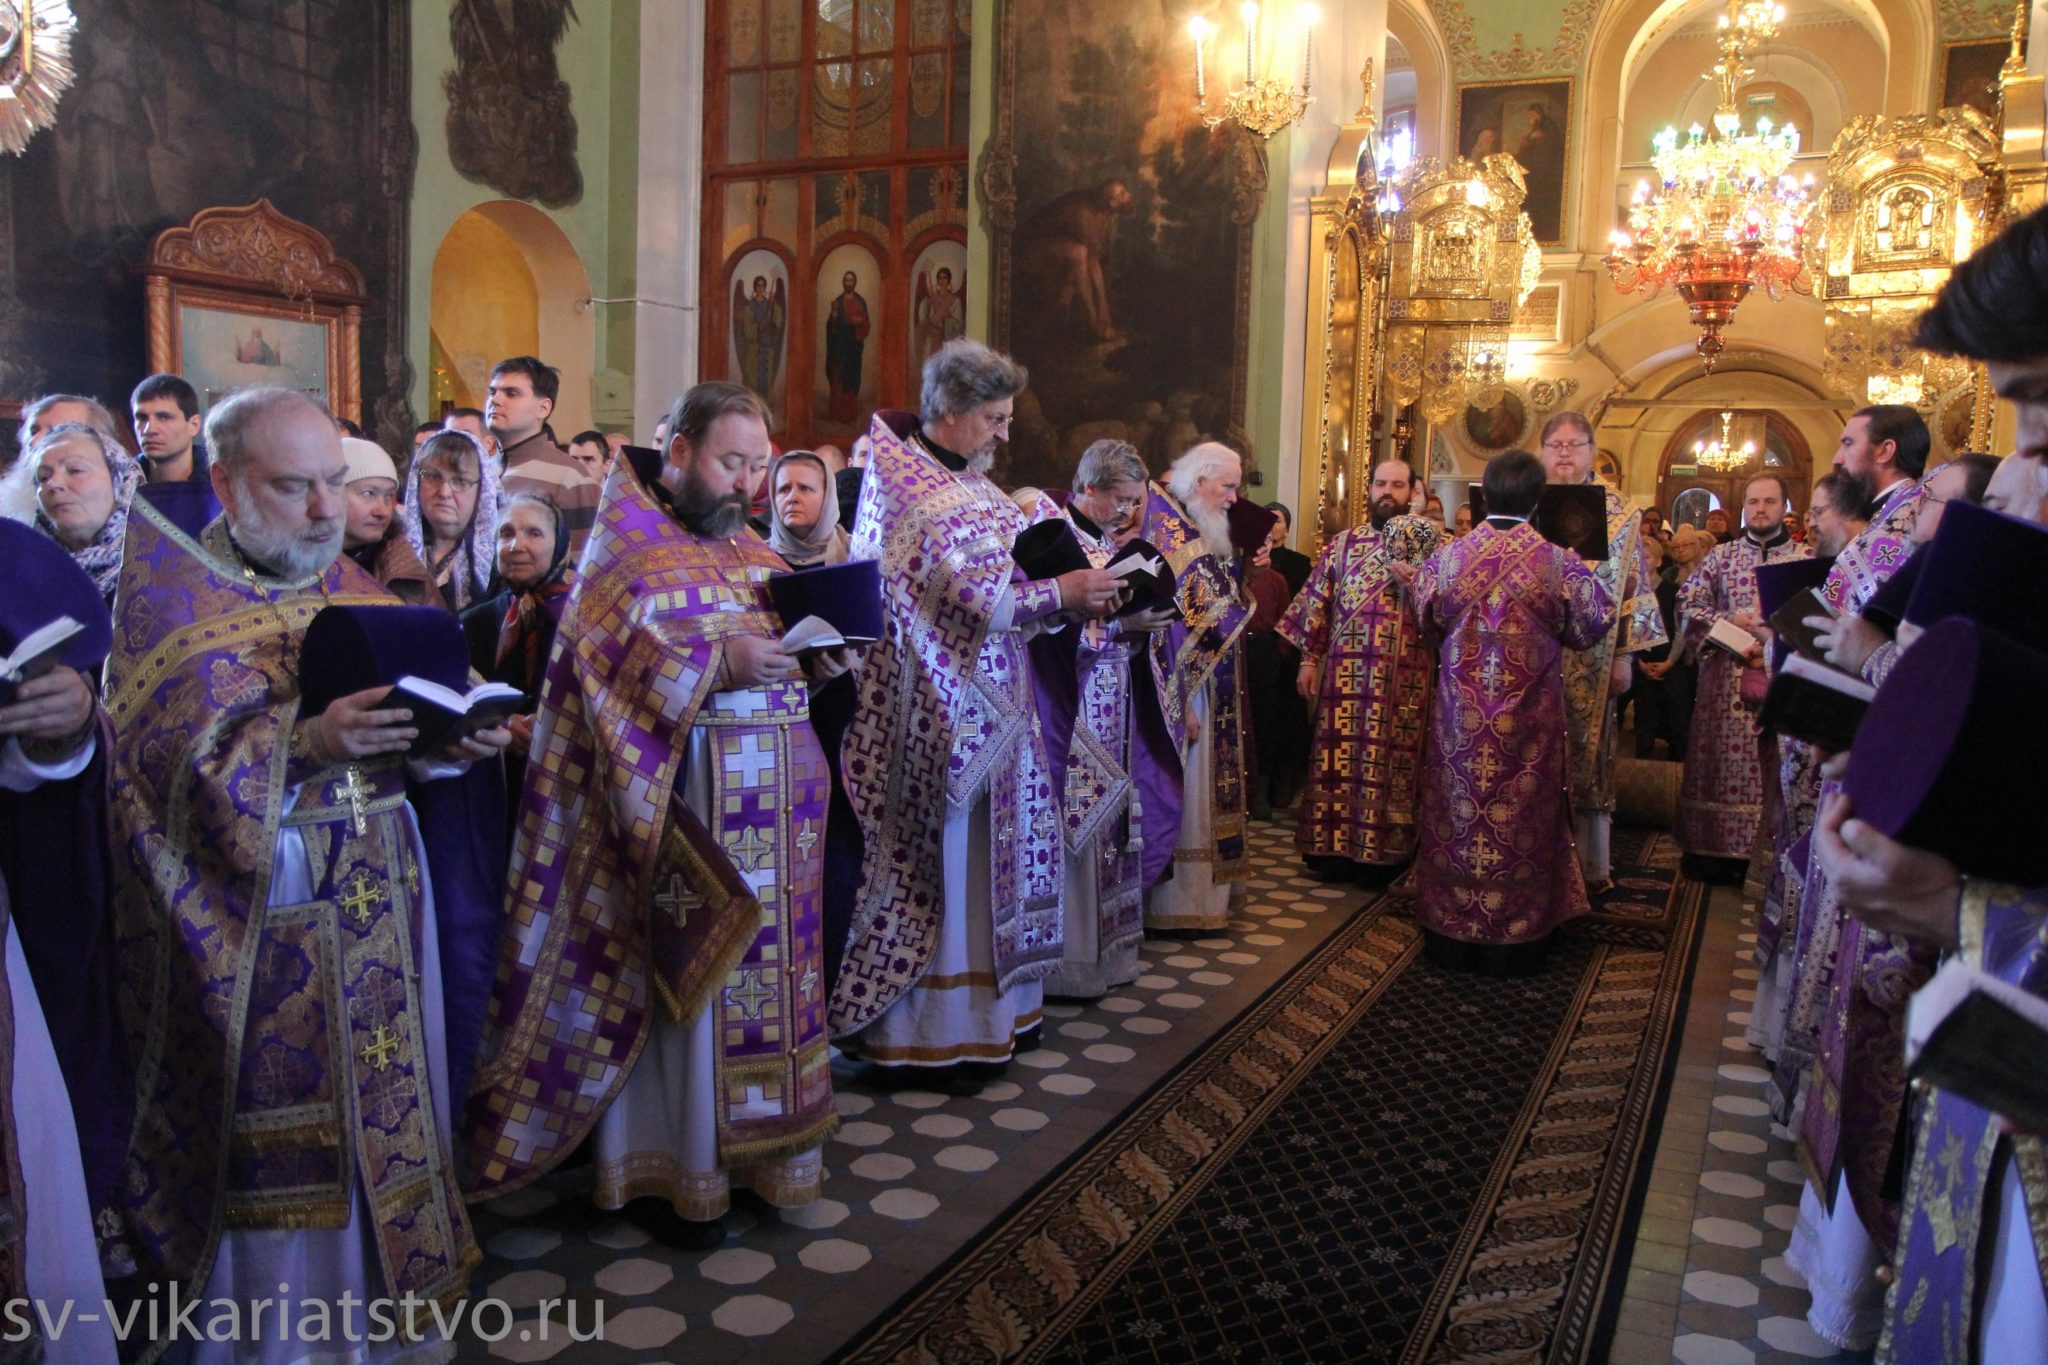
<point x="1725" y="217"/>
<point x="1263" y="104"/>
<point x="1721" y="454"/>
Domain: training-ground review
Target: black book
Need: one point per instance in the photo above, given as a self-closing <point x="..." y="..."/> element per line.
<point x="443" y="716"/>
<point x="1788" y="622"/>
<point x="1148" y="577"/>
<point x="1821" y="705"/>
<point x="1573" y="516"/>
<point x="35" y="654"/>
<point x="1982" y="1039"/>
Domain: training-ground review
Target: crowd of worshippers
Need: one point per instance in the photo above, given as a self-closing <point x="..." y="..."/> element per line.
<point x="378" y="843"/>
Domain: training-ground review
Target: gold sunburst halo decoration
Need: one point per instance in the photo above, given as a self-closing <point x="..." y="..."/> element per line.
<point x="35" y="67"/>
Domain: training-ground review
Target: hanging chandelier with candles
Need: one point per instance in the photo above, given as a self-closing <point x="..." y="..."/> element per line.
<point x="1721" y="454"/>
<point x="1263" y="104"/>
<point x="1725" y="216"/>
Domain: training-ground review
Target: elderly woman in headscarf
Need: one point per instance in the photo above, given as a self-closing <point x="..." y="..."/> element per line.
<point x="510" y="635"/>
<point x="803" y="506"/>
<point x="84" y="482"/>
<point x="451" y="517"/>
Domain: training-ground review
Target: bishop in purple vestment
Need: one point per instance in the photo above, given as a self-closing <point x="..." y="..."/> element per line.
<point x="1497" y="867"/>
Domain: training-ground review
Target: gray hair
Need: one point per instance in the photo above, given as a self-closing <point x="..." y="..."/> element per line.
<point x="527" y="497"/>
<point x="233" y="421"/>
<point x="101" y="419"/>
<point x="1108" y="463"/>
<point x="1204" y="461"/>
<point x="962" y="375"/>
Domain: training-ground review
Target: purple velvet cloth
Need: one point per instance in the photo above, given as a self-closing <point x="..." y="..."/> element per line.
<point x="1155" y="762"/>
<point x="53" y="858"/>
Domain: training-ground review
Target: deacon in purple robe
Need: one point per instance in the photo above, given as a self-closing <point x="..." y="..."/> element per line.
<point x="1598" y="674"/>
<point x="661" y="978"/>
<point x="63" y="1116"/>
<point x="1722" y="799"/>
<point x="1198" y="674"/>
<point x="1845" y="1009"/>
<point x="278" y="909"/>
<point x="958" y="921"/>
<point x="1497" y="869"/>
<point x="1102" y="811"/>
<point x="1366" y="669"/>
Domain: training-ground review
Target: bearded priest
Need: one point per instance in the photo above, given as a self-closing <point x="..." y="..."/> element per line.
<point x="1198" y="672"/>
<point x="661" y="977"/>
<point x="278" y="910"/>
<point x="958" y="919"/>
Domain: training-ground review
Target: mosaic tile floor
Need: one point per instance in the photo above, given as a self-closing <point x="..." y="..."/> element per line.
<point x="1708" y="1284"/>
<point x="911" y="1175"/>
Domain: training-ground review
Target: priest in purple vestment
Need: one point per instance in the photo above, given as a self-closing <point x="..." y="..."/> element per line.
<point x="1366" y="668"/>
<point x="279" y="913"/>
<point x="958" y="921"/>
<point x="1198" y="670"/>
<point x="1596" y="675"/>
<point x="1845" y="1009"/>
<point x="661" y="979"/>
<point x="1722" y="799"/>
<point x="1497" y="869"/>
<point x="1108" y="778"/>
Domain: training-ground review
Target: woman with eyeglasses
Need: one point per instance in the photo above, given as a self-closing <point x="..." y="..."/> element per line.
<point x="451" y="517"/>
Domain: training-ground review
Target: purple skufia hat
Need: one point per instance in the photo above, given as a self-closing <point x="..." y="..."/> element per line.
<point x="43" y="583"/>
<point x="1987" y="566"/>
<point x="1250" y="524"/>
<point x="1937" y="756"/>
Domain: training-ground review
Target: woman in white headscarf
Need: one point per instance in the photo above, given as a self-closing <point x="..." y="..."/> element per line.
<point x="451" y="516"/>
<point x="803" y="506"/>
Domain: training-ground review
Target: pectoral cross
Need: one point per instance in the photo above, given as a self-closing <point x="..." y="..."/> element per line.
<point x="361" y="894"/>
<point x="750" y="995"/>
<point x="353" y="791"/>
<point x="382" y="1047"/>
<point x="676" y="901"/>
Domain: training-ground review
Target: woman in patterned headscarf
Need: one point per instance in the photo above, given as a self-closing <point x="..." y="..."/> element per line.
<point x="451" y="516"/>
<point x="84" y="482"/>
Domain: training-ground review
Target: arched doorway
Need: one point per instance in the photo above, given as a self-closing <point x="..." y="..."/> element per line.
<point x="1687" y="491"/>
<point x="507" y="282"/>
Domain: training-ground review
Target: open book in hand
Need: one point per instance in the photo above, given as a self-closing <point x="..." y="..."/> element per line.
<point x="1821" y="705"/>
<point x="815" y="632"/>
<point x="1731" y="637"/>
<point x="36" y="654"/>
<point x="1982" y="1039"/>
<point x="444" y="716"/>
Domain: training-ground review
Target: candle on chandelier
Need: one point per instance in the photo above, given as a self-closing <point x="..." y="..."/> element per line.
<point x="1251" y="39"/>
<point x="1309" y="17"/>
<point x="1198" y="28"/>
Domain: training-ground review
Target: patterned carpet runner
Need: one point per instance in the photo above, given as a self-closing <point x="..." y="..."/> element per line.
<point x="1379" y="1160"/>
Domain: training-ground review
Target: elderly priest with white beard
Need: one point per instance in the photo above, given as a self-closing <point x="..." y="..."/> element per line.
<point x="276" y="912"/>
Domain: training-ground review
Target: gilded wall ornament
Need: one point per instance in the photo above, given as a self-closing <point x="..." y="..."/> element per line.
<point x="35" y="66"/>
<point x="1563" y="57"/>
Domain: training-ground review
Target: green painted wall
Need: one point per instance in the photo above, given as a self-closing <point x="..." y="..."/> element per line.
<point x="1265" y="391"/>
<point x="599" y="58"/>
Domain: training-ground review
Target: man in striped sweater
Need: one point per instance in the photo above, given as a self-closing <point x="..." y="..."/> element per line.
<point x="522" y="398"/>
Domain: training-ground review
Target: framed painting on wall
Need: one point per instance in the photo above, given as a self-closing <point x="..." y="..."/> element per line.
<point x="246" y="297"/>
<point x="1969" y="74"/>
<point x="1530" y="121"/>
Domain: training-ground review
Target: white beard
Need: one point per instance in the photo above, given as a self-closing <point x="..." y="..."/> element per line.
<point x="284" y="554"/>
<point x="1215" y="529"/>
<point x="982" y="463"/>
